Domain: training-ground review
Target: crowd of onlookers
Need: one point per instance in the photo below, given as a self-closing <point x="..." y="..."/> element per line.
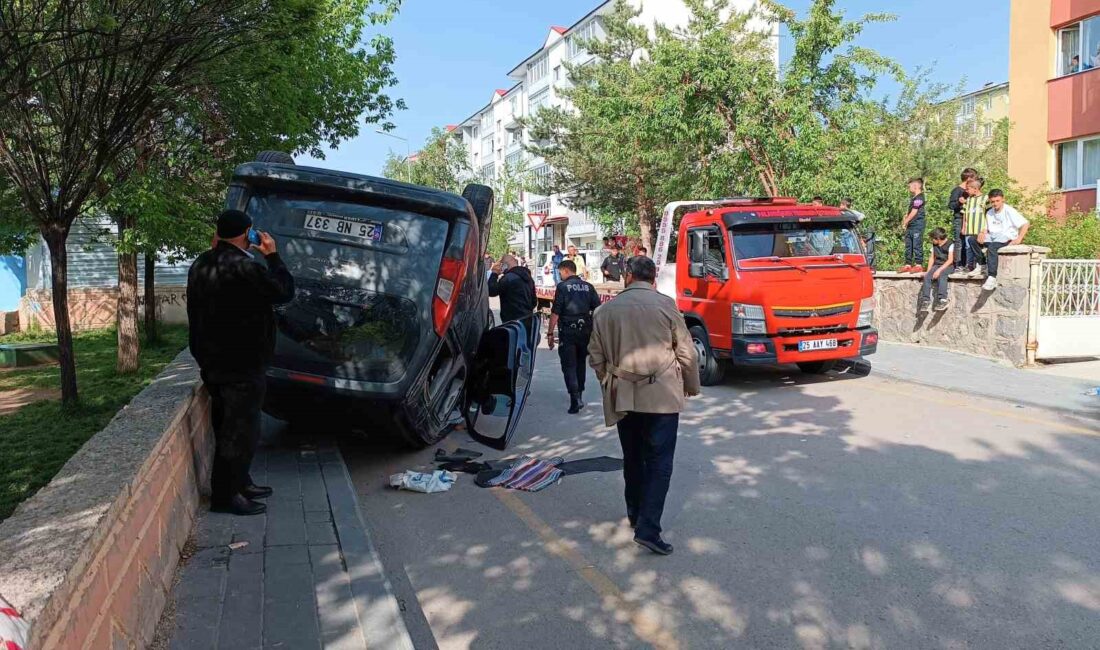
<point x="982" y="224"/>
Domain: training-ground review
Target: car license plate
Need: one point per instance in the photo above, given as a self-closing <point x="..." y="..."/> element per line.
<point x="327" y="223"/>
<point x="820" y="344"/>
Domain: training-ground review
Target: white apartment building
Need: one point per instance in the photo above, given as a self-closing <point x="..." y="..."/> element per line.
<point x="494" y="137"/>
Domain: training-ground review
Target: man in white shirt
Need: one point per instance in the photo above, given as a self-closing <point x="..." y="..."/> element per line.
<point x="1004" y="226"/>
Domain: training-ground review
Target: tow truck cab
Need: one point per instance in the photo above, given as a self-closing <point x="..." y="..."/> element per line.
<point x="769" y="281"/>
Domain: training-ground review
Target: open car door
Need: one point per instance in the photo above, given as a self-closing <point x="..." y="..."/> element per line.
<point x="500" y="381"/>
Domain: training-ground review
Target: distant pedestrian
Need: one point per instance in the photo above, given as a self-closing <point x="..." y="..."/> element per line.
<point x="973" y="225"/>
<point x="514" y="286"/>
<point x="913" y="225"/>
<point x="571" y="317"/>
<point x="556" y="259"/>
<point x="612" y="267"/>
<point x="956" y="203"/>
<point x="1005" y="226"/>
<point x="846" y="204"/>
<point x="230" y="295"/>
<point x="646" y="362"/>
<point x="940" y="264"/>
<point x="579" y="261"/>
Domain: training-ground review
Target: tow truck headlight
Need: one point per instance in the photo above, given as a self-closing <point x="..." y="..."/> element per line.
<point x="866" y="313"/>
<point x="748" y="319"/>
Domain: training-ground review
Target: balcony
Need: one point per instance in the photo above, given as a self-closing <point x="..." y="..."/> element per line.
<point x="1074" y="105"/>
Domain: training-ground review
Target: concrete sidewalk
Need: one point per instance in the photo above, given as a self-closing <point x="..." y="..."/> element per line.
<point x="977" y="376"/>
<point x="304" y="575"/>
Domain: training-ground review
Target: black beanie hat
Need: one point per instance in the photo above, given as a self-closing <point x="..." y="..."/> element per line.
<point x="233" y="224"/>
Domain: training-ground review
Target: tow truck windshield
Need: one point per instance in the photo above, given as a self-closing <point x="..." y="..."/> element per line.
<point x="781" y="241"/>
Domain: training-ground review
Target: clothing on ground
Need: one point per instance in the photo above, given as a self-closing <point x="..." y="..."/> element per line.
<point x="587" y="465"/>
<point x="516" y="289"/>
<point x="528" y="474"/>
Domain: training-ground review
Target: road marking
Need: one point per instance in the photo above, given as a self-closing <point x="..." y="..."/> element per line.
<point x="645" y="627"/>
<point x="980" y="409"/>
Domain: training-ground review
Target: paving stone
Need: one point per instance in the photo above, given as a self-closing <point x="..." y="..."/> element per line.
<point x="286" y="523"/>
<point x="276" y="557"/>
<point x="320" y="533"/>
<point x="313" y="516"/>
<point x="241" y="624"/>
<point x="314" y="494"/>
<point x="290" y="607"/>
<point x="339" y="619"/>
<point x="199" y="602"/>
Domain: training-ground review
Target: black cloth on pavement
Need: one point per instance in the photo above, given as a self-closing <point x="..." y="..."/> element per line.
<point x="229" y="300"/>
<point x="516" y="289"/>
<point x="458" y="455"/>
<point x="586" y="465"/>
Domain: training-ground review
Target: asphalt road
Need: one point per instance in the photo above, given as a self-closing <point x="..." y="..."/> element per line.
<point x="806" y="513"/>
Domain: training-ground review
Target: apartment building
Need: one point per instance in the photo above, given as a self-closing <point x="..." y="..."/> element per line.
<point x="1054" y="72"/>
<point x="494" y="136"/>
<point x="981" y="110"/>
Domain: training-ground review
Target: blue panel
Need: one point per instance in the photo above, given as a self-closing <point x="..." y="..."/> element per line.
<point x="13" y="282"/>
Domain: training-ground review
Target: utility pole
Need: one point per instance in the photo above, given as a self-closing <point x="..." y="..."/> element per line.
<point x="408" y="153"/>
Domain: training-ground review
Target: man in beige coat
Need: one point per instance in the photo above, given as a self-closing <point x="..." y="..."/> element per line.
<point x="646" y="363"/>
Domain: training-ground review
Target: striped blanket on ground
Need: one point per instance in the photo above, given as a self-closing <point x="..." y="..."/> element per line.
<point x="528" y="474"/>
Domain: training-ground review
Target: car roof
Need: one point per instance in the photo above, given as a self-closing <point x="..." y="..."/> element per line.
<point x="396" y="194"/>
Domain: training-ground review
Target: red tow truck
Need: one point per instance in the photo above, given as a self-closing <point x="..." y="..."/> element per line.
<point x="770" y="281"/>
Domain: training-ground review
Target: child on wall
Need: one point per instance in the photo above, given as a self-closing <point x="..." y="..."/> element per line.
<point x="974" y="225"/>
<point x="1005" y="226"/>
<point x="913" y="225"/>
<point x="940" y="265"/>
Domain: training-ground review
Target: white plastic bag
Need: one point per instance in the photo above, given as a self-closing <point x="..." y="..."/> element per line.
<point x="13" y="629"/>
<point x="437" y="481"/>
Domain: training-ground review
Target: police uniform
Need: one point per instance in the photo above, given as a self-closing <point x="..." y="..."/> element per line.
<point x="574" y="302"/>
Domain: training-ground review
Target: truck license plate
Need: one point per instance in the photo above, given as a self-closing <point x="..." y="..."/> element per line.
<point x="321" y="222"/>
<point x="820" y="344"/>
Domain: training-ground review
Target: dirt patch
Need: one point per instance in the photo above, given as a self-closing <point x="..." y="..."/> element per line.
<point x="13" y="400"/>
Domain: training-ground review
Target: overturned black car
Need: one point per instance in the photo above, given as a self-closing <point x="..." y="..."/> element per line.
<point x="391" y="326"/>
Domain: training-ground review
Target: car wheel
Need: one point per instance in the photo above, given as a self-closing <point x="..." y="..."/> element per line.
<point x="481" y="198"/>
<point x="279" y="157"/>
<point x="816" y="367"/>
<point x="711" y="371"/>
<point x="425" y="418"/>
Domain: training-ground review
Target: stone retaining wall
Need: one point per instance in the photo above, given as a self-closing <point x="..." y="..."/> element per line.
<point x="986" y="323"/>
<point x="95" y="308"/>
<point x="89" y="560"/>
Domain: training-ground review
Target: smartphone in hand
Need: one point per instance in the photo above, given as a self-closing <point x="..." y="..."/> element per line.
<point x="253" y="237"/>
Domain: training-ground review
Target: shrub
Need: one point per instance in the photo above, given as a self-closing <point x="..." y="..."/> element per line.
<point x="1077" y="236"/>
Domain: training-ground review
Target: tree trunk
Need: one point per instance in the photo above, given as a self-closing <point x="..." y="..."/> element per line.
<point x="646" y="226"/>
<point x="151" y="334"/>
<point x="128" y="345"/>
<point x="59" y="285"/>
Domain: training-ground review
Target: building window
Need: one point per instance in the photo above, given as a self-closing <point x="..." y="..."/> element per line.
<point x="587" y="32"/>
<point x="514" y="160"/>
<point x="487" y="122"/>
<point x="988" y="103"/>
<point x="988" y="130"/>
<point x="538" y="100"/>
<point x="1079" y="47"/>
<point x="968" y="107"/>
<point x="1078" y="163"/>
<point x="541" y="206"/>
<point x="488" y="172"/>
<point x="538" y="69"/>
<point x="515" y="105"/>
<point x="487" y="146"/>
<point x="541" y="177"/>
<point x="557" y="73"/>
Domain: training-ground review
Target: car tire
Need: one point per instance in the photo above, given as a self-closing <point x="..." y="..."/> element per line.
<point x="481" y="198"/>
<point x="278" y="157"/>
<point x="816" y="367"/>
<point x="420" y="423"/>
<point x="711" y="370"/>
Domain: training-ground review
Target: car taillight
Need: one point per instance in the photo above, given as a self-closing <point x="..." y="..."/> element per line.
<point x="870" y="339"/>
<point x="452" y="271"/>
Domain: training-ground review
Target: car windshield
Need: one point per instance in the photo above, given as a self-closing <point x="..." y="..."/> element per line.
<point x="791" y="240"/>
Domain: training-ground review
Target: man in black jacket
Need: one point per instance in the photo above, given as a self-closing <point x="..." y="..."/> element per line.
<point x="232" y="335"/>
<point x="516" y="288"/>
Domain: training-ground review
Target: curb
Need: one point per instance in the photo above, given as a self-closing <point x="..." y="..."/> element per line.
<point x="898" y="376"/>
<point x="375" y="603"/>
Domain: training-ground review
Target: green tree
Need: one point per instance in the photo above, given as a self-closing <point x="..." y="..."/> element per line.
<point x="508" y="185"/>
<point x="441" y="163"/>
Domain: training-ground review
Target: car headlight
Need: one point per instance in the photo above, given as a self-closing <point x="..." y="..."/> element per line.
<point x="748" y="319"/>
<point x="866" y="313"/>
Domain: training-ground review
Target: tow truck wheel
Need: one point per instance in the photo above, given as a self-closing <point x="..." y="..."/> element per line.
<point x="711" y="371"/>
<point x="816" y="367"/>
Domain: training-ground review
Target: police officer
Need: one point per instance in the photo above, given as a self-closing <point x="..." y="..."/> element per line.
<point x="574" y="302"/>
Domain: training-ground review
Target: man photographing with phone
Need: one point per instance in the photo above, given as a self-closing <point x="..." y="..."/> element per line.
<point x="230" y="294"/>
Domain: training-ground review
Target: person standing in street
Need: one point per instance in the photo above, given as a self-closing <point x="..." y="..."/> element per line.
<point x="556" y="259"/>
<point x="578" y="259"/>
<point x="571" y="316"/>
<point x="646" y="362"/>
<point x="230" y="295"/>
<point x="612" y="267"/>
<point x="514" y="286"/>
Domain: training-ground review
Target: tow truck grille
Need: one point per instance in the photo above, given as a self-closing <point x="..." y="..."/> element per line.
<point x="813" y="312"/>
<point x="813" y="331"/>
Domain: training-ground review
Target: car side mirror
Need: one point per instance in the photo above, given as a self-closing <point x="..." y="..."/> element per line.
<point x="698" y="248"/>
<point x="724" y="274"/>
<point x="869" y="247"/>
<point x="696" y="270"/>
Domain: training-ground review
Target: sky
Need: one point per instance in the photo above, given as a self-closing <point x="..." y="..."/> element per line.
<point x="452" y="55"/>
